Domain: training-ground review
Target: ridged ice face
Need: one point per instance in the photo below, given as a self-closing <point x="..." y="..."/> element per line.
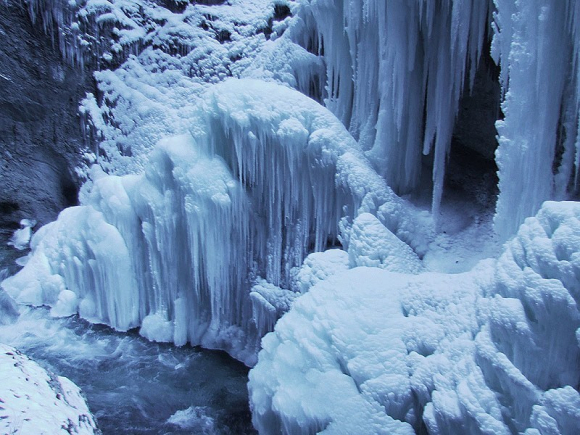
<point x="537" y="45"/>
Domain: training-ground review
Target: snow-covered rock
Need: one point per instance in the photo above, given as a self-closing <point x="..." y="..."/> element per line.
<point x="34" y="401"/>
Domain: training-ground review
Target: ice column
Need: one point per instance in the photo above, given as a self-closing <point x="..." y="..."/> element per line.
<point x="537" y="45"/>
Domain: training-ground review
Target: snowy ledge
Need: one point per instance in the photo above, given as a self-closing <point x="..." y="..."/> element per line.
<point x="34" y="401"/>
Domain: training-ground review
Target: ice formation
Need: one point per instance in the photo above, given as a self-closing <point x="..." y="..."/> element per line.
<point x="394" y="75"/>
<point x="35" y="401"/>
<point x="494" y="350"/>
<point x="21" y="237"/>
<point x="268" y="176"/>
<point x="214" y="200"/>
<point x="537" y="45"/>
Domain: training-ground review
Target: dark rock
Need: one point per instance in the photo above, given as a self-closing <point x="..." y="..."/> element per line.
<point x="40" y="134"/>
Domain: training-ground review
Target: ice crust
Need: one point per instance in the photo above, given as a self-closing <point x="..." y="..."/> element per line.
<point x="493" y="350"/>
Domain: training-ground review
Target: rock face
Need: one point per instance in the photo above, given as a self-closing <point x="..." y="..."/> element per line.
<point x="35" y="401"/>
<point x="40" y="134"/>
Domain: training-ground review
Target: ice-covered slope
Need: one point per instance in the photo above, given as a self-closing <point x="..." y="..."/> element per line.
<point x="33" y="401"/>
<point x="494" y="350"/>
<point x="268" y="176"/>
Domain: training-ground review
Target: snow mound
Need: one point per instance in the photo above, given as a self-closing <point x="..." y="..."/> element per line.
<point x="319" y="266"/>
<point x="493" y="350"/>
<point x="35" y="401"/>
<point x="371" y="244"/>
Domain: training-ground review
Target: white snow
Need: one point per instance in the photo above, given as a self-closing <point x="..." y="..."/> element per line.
<point x="33" y="401"/>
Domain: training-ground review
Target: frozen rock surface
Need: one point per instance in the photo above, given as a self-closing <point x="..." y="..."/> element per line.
<point x="40" y="134"/>
<point x="33" y="401"/>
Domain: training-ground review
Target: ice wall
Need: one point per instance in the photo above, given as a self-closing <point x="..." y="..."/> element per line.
<point x="302" y="170"/>
<point x="536" y="44"/>
<point x="266" y="176"/>
<point x="395" y="72"/>
<point x="494" y="350"/>
<point x="154" y="250"/>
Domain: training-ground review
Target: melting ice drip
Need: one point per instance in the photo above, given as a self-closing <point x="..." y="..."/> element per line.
<point x="267" y="177"/>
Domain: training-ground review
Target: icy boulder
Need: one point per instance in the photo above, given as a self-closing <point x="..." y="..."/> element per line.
<point x="319" y="266"/>
<point x="81" y="252"/>
<point x="21" y="237"/>
<point x="494" y="350"/>
<point x="35" y="401"/>
<point x="372" y="244"/>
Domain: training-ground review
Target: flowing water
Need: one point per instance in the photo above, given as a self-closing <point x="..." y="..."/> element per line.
<point x="134" y="386"/>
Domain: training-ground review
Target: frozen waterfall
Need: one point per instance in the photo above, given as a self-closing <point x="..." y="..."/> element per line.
<point x="395" y="72"/>
<point x="244" y="184"/>
<point x="266" y="177"/>
<point x="537" y="44"/>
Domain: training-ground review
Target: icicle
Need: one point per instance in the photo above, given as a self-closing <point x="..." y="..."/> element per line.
<point x="268" y="177"/>
<point x="395" y="73"/>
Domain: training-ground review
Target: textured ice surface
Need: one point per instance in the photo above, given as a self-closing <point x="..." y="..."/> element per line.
<point x="21" y="237"/>
<point x="35" y="401"/>
<point x="494" y="350"/>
